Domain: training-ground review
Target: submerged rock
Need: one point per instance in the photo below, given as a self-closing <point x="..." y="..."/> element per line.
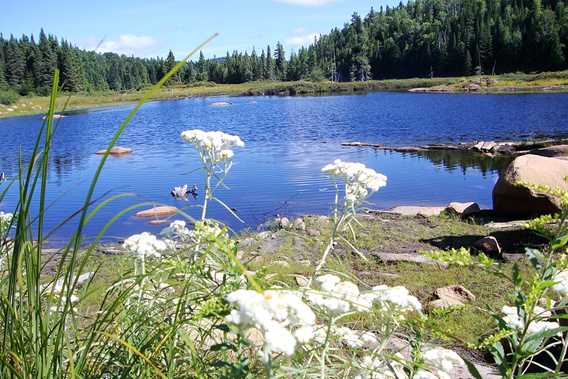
<point x="162" y="211"/>
<point x="117" y="150"/>
<point x="513" y="200"/>
<point x="220" y="104"/>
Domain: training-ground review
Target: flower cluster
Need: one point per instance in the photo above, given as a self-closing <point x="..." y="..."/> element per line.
<point x="5" y="220"/>
<point x="440" y="364"/>
<point x="333" y="294"/>
<point x="337" y="296"/>
<point x="281" y="316"/>
<point x="360" y="181"/>
<point x="561" y="285"/>
<point x="145" y="245"/>
<point x="214" y="147"/>
<point x="372" y="367"/>
<point x="357" y="339"/>
<point x="515" y="321"/>
<point x="177" y="231"/>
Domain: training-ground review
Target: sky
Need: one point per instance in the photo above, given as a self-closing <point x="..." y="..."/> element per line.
<point x="147" y="28"/>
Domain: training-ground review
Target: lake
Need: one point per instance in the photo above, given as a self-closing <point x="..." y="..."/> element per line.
<point x="288" y="140"/>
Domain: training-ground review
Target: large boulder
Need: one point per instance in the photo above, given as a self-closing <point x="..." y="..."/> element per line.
<point x="518" y="201"/>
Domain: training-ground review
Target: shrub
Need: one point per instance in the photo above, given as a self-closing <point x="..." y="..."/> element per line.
<point x="8" y="96"/>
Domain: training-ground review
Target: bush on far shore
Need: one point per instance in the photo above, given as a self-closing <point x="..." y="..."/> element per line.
<point x="8" y="96"/>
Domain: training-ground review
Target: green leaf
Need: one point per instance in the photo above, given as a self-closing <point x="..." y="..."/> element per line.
<point x="472" y="369"/>
<point x="559" y="242"/>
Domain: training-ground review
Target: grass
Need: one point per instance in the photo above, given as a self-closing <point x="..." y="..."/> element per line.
<point x="297" y="253"/>
<point x="519" y="82"/>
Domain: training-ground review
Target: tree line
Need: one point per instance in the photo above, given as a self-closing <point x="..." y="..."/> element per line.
<point x="419" y="39"/>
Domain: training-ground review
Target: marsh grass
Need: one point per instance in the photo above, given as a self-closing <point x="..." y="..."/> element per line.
<point x="43" y="336"/>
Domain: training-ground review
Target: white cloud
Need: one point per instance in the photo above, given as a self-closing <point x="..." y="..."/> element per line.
<point x="128" y="44"/>
<point x="302" y="39"/>
<point x="306" y="3"/>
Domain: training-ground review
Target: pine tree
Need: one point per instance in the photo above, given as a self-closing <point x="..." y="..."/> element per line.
<point x="269" y="65"/>
<point x="169" y="64"/>
<point x="48" y="62"/>
<point x="280" y="61"/>
<point x="15" y="64"/>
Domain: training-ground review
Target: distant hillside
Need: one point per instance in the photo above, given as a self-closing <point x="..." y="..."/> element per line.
<point x="420" y="39"/>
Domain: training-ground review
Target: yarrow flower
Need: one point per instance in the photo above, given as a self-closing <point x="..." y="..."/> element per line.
<point x="214" y="147"/>
<point x="360" y="181"/>
<point x="177" y="231"/>
<point x="395" y="299"/>
<point x="333" y="294"/>
<point x="281" y="316"/>
<point x="337" y="296"/>
<point x="514" y="320"/>
<point x="6" y="217"/>
<point x="561" y="286"/>
<point x="377" y="368"/>
<point x="145" y="245"/>
<point x="357" y="339"/>
<point x="440" y="363"/>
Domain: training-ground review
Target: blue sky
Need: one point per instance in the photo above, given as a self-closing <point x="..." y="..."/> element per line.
<point x="150" y="28"/>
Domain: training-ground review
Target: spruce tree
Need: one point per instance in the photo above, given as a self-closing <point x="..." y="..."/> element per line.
<point x="48" y="64"/>
<point x="15" y="64"/>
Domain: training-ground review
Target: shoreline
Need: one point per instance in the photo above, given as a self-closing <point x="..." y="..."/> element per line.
<point x="543" y="83"/>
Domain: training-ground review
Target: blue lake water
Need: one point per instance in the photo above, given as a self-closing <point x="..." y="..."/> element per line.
<point x="288" y="140"/>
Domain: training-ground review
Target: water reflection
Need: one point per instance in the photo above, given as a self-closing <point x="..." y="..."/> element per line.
<point x="453" y="160"/>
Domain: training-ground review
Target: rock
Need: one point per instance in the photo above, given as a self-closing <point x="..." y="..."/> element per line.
<point x="299" y="224"/>
<point x="504" y="148"/>
<point x="220" y="104"/>
<point x="451" y="296"/>
<point x="512" y="200"/>
<point x="301" y="280"/>
<point x="489" y="245"/>
<point x="516" y="224"/>
<point x="408" y="257"/>
<point x="283" y="223"/>
<point x="162" y="211"/>
<point x="552" y="151"/>
<point x="313" y="232"/>
<point x="411" y="210"/>
<point x="117" y="150"/>
<point x="159" y="222"/>
<point x="281" y="263"/>
<point x="485" y="147"/>
<point x="463" y="209"/>
<point x="472" y="87"/>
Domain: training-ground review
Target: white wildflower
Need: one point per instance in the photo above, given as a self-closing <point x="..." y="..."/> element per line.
<point x="177" y="231"/>
<point x="360" y="181"/>
<point x="357" y="339"/>
<point x="378" y="368"/>
<point x="214" y="147"/>
<point x="395" y="299"/>
<point x="441" y="362"/>
<point x="145" y="245"/>
<point x="514" y="321"/>
<point x="332" y="294"/>
<point x="281" y="316"/>
<point x="6" y="218"/>
<point x="561" y="286"/>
